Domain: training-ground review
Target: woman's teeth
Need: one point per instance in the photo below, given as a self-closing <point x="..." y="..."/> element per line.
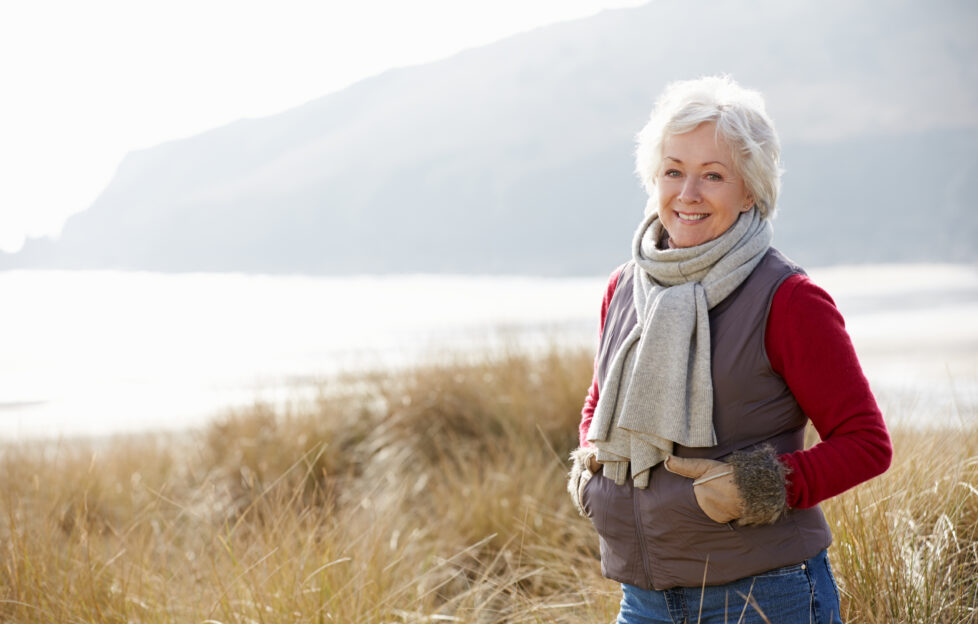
<point x="692" y="217"/>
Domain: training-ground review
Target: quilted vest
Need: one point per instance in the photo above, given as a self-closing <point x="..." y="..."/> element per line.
<point x="659" y="538"/>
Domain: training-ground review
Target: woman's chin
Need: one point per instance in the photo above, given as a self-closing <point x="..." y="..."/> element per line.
<point x="689" y="239"/>
<point x="683" y="233"/>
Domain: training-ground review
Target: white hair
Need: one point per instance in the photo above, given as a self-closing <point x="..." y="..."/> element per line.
<point x="740" y="119"/>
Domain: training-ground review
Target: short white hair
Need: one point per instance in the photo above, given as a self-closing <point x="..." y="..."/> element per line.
<point x="740" y="119"/>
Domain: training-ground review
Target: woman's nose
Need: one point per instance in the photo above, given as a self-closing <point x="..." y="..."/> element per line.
<point x="690" y="193"/>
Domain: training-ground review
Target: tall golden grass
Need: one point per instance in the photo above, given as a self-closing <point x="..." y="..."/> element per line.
<point x="434" y="494"/>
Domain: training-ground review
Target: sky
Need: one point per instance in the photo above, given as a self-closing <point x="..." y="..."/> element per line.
<point x="86" y="82"/>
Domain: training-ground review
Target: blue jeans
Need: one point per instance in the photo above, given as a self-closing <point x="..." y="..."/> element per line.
<point x="804" y="593"/>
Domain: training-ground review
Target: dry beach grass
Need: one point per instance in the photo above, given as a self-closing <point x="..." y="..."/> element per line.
<point x="433" y="494"/>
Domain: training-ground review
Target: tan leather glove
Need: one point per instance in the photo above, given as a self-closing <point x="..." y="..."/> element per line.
<point x="749" y="487"/>
<point x="714" y="486"/>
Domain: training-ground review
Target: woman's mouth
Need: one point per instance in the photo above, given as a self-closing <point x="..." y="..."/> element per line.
<point x="692" y="216"/>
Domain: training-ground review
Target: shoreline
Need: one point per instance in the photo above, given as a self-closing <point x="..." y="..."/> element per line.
<point x="151" y="351"/>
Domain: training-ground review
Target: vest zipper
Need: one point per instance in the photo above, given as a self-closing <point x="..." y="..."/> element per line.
<point x="641" y="539"/>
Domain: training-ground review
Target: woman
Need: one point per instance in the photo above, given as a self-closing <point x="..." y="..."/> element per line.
<point x="715" y="351"/>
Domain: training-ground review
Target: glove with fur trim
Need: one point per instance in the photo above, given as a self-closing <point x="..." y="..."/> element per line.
<point x="581" y="459"/>
<point x="749" y="487"/>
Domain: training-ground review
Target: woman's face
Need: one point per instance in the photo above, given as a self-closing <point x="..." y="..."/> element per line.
<point x="700" y="193"/>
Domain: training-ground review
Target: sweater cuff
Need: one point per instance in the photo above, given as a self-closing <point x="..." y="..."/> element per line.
<point x="760" y="478"/>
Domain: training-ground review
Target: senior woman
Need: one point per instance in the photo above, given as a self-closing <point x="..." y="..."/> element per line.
<point x="715" y="351"/>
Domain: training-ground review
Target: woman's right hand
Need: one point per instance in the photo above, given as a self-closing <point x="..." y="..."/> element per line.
<point x="582" y="468"/>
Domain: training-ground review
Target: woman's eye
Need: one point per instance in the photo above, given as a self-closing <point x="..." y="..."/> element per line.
<point x="714" y="177"/>
<point x="671" y="173"/>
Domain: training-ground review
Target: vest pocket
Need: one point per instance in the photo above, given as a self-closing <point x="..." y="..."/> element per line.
<point x="678" y="531"/>
<point x="609" y="506"/>
<point x="612" y="512"/>
<point x="689" y="496"/>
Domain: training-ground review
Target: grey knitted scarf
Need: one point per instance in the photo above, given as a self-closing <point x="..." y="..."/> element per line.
<point x="659" y="390"/>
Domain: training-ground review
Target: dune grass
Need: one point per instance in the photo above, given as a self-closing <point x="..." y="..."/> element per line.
<point x="433" y="494"/>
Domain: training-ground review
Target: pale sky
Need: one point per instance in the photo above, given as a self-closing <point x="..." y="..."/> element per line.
<point x="85" y="82"/>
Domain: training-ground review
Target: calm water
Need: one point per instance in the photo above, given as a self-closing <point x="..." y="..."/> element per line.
<point x="105" y="352"/>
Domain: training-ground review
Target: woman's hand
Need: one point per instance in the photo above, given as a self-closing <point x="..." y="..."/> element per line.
<point x="582" y="462"/>
<point x="714" y="486"/>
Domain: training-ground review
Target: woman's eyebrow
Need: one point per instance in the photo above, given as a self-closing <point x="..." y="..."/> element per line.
<point x="709" y="162"/>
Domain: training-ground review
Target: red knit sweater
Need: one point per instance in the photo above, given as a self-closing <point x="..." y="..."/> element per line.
<point x="807" y="344"/>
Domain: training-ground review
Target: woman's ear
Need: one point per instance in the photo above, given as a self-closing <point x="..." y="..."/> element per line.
<point x="750" y="204"/>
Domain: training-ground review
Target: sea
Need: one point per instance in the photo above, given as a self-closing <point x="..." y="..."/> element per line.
<point x="97" y="353"/>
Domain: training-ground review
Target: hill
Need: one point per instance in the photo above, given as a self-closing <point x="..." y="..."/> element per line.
<point x="517" y="157"/>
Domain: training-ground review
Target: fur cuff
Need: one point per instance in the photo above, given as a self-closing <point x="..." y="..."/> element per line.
<point x="760" y="477"/>
<point x="579" y="475"/>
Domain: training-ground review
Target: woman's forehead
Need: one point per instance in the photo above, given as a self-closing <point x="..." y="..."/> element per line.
<point x="701" y="146"/>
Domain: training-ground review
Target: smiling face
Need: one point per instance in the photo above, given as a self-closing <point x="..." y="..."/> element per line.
<point x="700" y="193"/>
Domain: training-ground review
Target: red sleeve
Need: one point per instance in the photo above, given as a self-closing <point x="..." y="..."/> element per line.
<point x="591" y="400"/>
<point x="809" y="347"/>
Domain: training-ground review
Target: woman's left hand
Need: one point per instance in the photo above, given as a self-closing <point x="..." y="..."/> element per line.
<point x="714" y="486"/>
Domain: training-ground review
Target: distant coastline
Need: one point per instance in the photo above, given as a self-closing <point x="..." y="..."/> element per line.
<point x="101" y="352"/>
